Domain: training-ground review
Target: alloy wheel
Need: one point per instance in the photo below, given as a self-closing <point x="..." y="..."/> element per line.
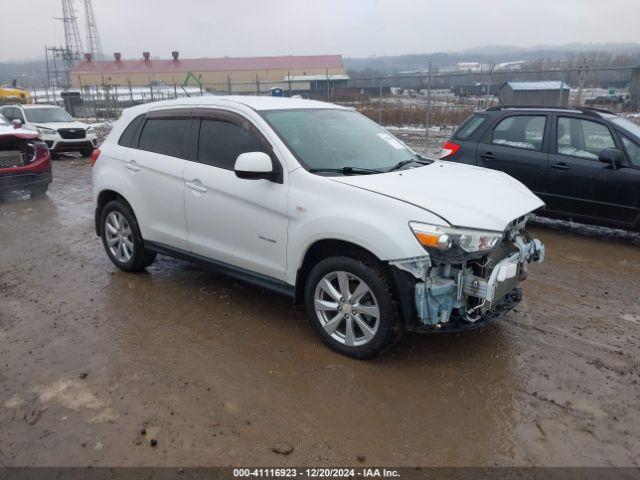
<point x="119" y="236"/>
<point x="347" y="308"/>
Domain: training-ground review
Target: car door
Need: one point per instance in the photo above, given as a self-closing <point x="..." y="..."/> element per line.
<point x="156" y="168"/>
<point x="239" y="222"/>
<point x="517" y="145"/>
<point x="579" y="184"/>
<point x="629" y="185"/>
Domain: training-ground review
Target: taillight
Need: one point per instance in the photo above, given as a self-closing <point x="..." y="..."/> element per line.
<point x="94" y="157"/>
<point x="449" y="149"/>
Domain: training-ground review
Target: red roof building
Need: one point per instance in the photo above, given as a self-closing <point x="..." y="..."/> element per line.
<point x="210" y="72"/>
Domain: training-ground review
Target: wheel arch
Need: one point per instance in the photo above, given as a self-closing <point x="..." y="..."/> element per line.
<point x="104" y="197"/>
<point x="325" y="248"/>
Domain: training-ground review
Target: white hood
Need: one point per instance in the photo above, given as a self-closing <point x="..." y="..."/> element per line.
<point x="57" y="125"/>
<point x="463" y="195"/>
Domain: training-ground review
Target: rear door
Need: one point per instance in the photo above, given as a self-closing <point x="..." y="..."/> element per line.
<point x="236" y="221"/>
<point x="462" y="146"/>
<point x="518" y="145"/>
<point x="156" y="166"/>
<point x="581" y="185"/>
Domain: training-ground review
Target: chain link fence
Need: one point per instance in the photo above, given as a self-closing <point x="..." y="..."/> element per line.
<point x="430" y="101"/>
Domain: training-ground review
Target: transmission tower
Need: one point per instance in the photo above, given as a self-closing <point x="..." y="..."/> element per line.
<point x="72" y="44"/>
<point x="94" y="45"/>
<point x="71" y="33"/>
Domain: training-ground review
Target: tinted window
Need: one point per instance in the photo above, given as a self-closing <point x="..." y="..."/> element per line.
<point x="126" y="139"/>
<point x="583" y="138"/>
<point x="221" y="142"/>
<point x="163" y="135"/>
<point x="633" y="151"/>
<point x="470" y="125"/>
<point x="521" y="131"/>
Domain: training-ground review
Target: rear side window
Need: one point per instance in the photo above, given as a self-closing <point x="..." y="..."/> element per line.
<point x="163" y="135"/>
<point x="469" y="126"/>
<point x="126" y="139"/>
<point x="221" y="142"/>
<point x="583" y="138"/>
<point x="520" y="131"/>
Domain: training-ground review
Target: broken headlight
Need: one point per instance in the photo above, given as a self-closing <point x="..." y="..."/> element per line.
<point x="450" y="239"/>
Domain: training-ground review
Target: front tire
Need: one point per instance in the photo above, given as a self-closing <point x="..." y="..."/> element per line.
<point x="122" y="239"/>
<point x="350" y="303"/>
<point x="87" y="152"/>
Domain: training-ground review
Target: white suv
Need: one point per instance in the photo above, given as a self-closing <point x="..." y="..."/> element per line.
<point x="59" y="130"/>
<point x="317" y="202"/>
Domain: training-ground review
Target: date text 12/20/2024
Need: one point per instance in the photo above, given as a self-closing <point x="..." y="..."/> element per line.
<point x="316" y="472"/>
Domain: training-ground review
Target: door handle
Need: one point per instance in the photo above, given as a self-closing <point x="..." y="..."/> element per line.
<point x="488" y="156"/>
<point x="132" y="166"/>
<point x="196" y="186"/>
<point x="560" y="166"/>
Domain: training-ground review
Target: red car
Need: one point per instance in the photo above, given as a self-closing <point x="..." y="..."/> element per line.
<point x="25" y="161"/>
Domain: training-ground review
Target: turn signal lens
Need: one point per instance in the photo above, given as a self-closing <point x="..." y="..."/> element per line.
<point x="445" y="238"/>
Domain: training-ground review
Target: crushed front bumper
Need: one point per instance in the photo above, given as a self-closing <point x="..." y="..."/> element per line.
<point x="468" y="294"/>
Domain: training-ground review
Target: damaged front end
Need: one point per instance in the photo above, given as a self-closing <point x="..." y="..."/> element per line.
<point x="468" y="277"/>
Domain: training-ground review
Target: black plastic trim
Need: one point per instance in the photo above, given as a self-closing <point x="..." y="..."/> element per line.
<point x="258" y="279"/>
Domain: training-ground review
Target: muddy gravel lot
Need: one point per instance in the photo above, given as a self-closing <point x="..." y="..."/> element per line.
<point x="182" y="366"/>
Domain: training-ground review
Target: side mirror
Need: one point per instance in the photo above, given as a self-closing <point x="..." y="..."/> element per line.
<point x="254" y="166"/>
<point x="16" y="123"/>
<point x="611" y="156"/>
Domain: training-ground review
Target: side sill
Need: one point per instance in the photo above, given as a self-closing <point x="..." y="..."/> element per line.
<point x="257" y="279"/>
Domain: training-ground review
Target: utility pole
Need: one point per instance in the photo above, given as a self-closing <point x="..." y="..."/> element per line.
<point x="581" y="79"/>
<point x="94" y="45"/>
<point x="427" y="122"/>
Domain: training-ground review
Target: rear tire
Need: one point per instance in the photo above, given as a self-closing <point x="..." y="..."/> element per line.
<point x="122" y="239"/>
<point x="351" y="304"/>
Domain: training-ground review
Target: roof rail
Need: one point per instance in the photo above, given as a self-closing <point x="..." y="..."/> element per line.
<point x="592" y="112"/>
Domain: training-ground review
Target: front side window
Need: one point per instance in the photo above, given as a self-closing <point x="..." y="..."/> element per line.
<point x="520" y="131"/>
<point x="633" y="151"/>
<point x="3" y="120"/>
<point x="221" y="142"/>
<point x="583" y="138"/>
<point x="163" y="135"/>
<point x="337" y="139"/>
<point x="47" y="115"/>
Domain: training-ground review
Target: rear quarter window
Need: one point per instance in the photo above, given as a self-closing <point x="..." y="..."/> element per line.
<point x="469" y="126"/>
<point x="126" y="139"/>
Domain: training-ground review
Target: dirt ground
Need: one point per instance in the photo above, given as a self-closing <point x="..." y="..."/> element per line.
<point x="219" y="372"/>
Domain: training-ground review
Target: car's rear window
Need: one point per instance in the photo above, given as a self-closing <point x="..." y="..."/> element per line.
<point x="469" y="126"/>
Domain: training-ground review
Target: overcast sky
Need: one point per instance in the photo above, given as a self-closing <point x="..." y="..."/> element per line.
<point x="354" y="28"/>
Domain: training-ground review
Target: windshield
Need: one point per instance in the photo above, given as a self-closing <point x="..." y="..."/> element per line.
<point x="633" y="128"/>
<point x="337" y="139"/>
<point x="45" y="115"/>
<point x="3" y="120"/>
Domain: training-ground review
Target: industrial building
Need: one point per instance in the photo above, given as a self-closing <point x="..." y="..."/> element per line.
<point x="544" y="93"/>
<point x="228" y="75"/>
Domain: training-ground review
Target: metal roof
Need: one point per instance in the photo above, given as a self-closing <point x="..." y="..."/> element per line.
<point x="542" y="85"/>
<point x="315" y="62"/>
